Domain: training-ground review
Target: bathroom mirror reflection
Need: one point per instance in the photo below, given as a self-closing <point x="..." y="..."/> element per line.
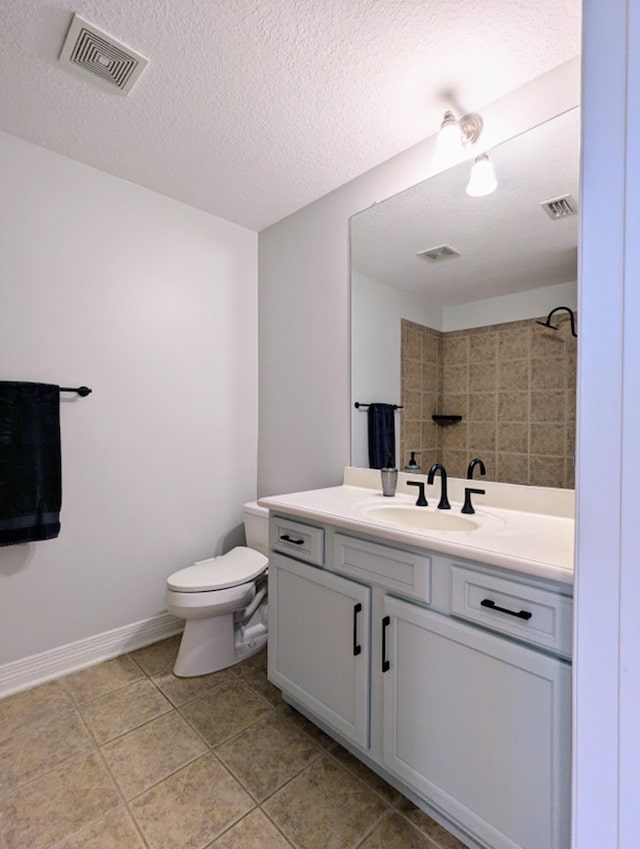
<point x="460" y="336"/>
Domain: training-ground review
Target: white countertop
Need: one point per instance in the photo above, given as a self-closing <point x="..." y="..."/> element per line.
<point x="534" y="543"/>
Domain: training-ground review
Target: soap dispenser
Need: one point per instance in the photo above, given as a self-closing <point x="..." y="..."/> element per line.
<point x="389" y="475"/>
<point x="412" y="465"/>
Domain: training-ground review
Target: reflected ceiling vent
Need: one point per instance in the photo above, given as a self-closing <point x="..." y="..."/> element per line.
<point x="438" y="254"/>
<point x="560" y="207"/>
<point x="110" y="63"/>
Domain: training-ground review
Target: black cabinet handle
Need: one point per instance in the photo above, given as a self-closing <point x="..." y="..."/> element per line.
<point x="357" y="649"/>
<point x="385" y="623"/>
<point x="521" y="614"/>
<point x="287" y="538"/>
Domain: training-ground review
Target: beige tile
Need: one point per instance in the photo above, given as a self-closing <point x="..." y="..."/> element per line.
<point x="455" y="350"/>
<point x="429" y="440"/>
<point x="547" y="471"/>
<point x="412" y="374"/>
<point x="150" y="753"/>
<point x="116" y="713"/>
<point x="179" y="691"/>
<point x="481" y="439"/>
<point x="255" y="831"/>
<point x="394" y="832"/>
<point x="413" y="435"/>
<point x="550" y="373"/>
<point x="115" y="831"/>
<point x="259" y="682"/>
<point x="514" y="344"/>
<point x="257" y="661"/>
<point x="428" y="826"/>
<point x="429" y="378"/>
<point x="104" y="678"/>
<point x="192" y="807"/>
<point x="512" y="438"/>
<point x="431" y="346"/>
<point x="390" y="795"/>
<point x="455" y="462"/>
<point x="547" y="406"/>
<point x="483" y="406"/>
<point x="454" y="404"/>
<point x="547" y="343"/>
<point x="483" y="377"/>
<point x="454" y="436"/>
<point x="311" y="730"/>
<point x="429" y="405"/>
<point x="412" y="402"/>
<point x="158" y="657"/>
<point x="483" y="347"/>
<point x="455" y="379"/>
<point x="548" y="439"/>
<point x="36" y="750"/>
<point x="513" y="468"/>
<point x="513" y="375"/>
<point x="225" y="711"/>
<point x="412" y="343"/>
<point x="32" y="707"/>
<point x="489" y="460"/>
<point x="57" y="805"/>
<point x="267" y="755"/>
<point x="325" y="807"/>
<point x="513" y="406"/>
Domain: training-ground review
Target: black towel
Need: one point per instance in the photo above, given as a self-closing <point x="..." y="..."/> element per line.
<point x="30" y="473"/>
<point x="382" y="435"/>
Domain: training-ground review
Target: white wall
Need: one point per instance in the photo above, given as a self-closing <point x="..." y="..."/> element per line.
<point x="376" y="311"/>
<point x="304" y="398"/>
<point x="154" y="305"/>
<point x="515" y="307"/>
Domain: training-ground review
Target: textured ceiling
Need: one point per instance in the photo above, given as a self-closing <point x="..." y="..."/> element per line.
<point x="251" y="109"/>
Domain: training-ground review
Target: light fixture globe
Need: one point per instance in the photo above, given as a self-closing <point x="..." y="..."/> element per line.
<point x="482" y="180"/>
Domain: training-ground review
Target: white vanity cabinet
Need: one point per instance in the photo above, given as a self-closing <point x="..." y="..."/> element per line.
<point x="479" y="726"/>
<point x="450" y="678"/>
<point x="320" y="653"/>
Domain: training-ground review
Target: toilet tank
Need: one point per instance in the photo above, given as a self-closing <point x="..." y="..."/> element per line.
<point x="256" y="527"/>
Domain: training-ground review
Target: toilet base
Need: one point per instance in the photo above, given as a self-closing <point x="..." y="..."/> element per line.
<point x="208" y="645"/>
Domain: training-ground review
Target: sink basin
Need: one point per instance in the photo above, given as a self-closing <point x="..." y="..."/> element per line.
<point x="419" y="518"/>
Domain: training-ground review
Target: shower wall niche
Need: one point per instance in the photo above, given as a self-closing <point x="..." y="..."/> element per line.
<point x="514" y="386"/>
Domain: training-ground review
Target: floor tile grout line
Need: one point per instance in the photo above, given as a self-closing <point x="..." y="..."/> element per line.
<point x="370" y="831"/>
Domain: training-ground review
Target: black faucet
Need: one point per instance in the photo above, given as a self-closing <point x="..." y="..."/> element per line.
<point x="444" y="501"/>
<point x="422" y="501"/>
<point x="467" y="507"/>
<point x="475" y="462"/>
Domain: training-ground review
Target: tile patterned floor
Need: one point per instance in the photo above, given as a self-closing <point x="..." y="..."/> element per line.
<point x="125" y="755"/>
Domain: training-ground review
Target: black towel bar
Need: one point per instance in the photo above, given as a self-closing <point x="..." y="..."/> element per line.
<point x="358" y="405"/>
<point x="82" y="391"/>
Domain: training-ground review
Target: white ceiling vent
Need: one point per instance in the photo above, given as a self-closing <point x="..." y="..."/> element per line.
<point x="560" y="207"/>
<point x="88" y="50"/>
<point x="438" y="254"/>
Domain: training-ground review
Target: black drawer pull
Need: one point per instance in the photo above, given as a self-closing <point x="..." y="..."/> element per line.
<point x="287" y="538"/>
<point x="385" y="623"/>
<point x="357" y="649"/>
<point x="521" y="614"/>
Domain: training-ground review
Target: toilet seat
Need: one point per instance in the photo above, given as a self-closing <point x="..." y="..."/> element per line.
<point x="239" y="566"/>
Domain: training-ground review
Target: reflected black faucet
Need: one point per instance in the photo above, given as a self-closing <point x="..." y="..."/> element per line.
<point x="444" y="501"/>
<point x="475" y="462"/>
<point x="422" y="501"/>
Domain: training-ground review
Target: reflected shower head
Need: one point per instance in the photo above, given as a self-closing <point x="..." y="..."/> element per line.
<point x="548" y="324"/>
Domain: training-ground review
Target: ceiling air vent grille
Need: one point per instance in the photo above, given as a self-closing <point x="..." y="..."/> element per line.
<point x="560" y="207"/>
<point x="438" y="254"/>
<point x="88" y="50"/>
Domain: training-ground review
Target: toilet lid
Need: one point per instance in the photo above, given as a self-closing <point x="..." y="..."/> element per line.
<point x="238" y="566"/>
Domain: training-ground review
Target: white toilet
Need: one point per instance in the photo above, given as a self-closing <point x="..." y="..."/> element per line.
<point x="223" y="601"/>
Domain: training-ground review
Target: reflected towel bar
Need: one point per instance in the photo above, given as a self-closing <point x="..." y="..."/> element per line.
<point x="358" y="405"/>
<point x="82" y="391"/>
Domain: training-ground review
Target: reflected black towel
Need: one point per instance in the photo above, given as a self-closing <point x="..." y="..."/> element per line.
<point x="30" y="474"/>
<point x="382" y="435"/>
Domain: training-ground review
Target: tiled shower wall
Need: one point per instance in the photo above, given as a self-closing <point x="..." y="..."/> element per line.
<point x="514" y="386"/>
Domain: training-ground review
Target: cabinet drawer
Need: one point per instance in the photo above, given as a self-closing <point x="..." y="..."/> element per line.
<point x="535" y="615"/>
<point x="390" y="568"/>
<point x="299" y="540"/>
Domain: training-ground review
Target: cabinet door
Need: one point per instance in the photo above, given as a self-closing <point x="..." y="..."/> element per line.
<point x="478" y="725"/>
<point x="319" y="635"/>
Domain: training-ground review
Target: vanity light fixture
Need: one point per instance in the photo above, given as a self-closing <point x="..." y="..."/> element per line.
<point x="457" y="135"/>
<point x="482" y="180"/>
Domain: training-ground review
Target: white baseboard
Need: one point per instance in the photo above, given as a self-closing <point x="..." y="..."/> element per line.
<point x="38" y="668"/>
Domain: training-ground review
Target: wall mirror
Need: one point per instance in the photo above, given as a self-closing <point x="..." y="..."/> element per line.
<point x="458" y="338"/>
